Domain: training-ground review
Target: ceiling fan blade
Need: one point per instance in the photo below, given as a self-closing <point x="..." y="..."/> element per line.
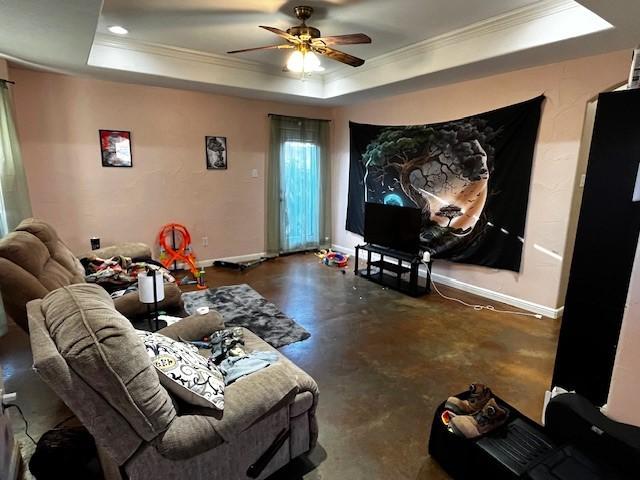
<point x="282" y="33"/>
<point x="339" y="56"/>
<point x="350" y="39"/>
<point x="268" y="47"/>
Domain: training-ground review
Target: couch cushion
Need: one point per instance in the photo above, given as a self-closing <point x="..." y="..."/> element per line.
<point x="26" y="251"/>
<point x="41" y="230"/>
<point x="102" y="347"/>
<point x="110" y="429"/>
<point x="194" y="327"/>
<point x="125" y="249"/>
<point x="20" y="253"/>
<point x="247" y="400"/>
<point x="34" y="271"/>
<point x="58" y="250"/>
<point x="184" y="372"/>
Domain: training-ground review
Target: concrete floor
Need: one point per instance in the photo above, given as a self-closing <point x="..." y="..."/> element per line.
<point x="383" y="362"/>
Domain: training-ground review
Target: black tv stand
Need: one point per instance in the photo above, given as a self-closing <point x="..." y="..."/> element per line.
<point x="393" y="274"/>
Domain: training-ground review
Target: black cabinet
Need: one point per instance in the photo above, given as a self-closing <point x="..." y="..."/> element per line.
<point x="605" y="247"/>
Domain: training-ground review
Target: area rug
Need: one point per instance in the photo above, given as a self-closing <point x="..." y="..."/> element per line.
<point x="242" y="306"/>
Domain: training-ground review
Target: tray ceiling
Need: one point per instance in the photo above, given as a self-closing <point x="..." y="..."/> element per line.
<point x="220" y="26"/>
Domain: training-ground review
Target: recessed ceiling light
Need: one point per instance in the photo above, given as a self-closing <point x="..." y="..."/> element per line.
<point x="118" y="30"/>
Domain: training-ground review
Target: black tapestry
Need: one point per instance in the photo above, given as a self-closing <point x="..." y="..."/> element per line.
<point x="470" y="178"/>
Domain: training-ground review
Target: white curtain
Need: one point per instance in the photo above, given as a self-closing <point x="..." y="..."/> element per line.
<point x="14" y="195"/>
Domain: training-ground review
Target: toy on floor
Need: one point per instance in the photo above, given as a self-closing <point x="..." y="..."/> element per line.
<point x="333" y="259"/>
<point x="241" y="266"/>
<point x="179" y="250"/>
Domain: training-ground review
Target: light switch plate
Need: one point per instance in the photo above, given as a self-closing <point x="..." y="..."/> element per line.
<point x="254" y="173"/>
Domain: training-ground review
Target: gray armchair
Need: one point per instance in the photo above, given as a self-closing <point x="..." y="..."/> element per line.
<point x="92" y="358"/>
<point x="35" y="261"/>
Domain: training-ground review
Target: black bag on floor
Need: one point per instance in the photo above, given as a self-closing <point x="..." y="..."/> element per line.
<point x="68" y="453"/>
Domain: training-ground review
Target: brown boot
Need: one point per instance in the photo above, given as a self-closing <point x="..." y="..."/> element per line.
<point x="486" y="420"/>
<point x="478" y="398"/>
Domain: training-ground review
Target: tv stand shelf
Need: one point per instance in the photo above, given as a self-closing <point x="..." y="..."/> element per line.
<point x="393" y="267"/>
<point x="393" y="274"/>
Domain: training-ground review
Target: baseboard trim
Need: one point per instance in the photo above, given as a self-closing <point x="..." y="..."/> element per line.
<point x="499" y="297"/>
<point x="521" y="303"/>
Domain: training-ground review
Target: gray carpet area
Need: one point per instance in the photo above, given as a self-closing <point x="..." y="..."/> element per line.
<point x="242" y="306"/>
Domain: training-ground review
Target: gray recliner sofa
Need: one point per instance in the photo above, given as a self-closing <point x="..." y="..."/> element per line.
<point x="91" y="357"/>
<point x="35" y="261"/>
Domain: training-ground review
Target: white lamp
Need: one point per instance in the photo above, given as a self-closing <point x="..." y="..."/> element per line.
<point x="151" y="291"/>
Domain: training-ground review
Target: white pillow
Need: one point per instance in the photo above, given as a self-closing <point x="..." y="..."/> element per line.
<point x="184" y="372"/>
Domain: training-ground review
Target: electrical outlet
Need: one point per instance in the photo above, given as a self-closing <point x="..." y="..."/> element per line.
<point x="205" y="241"/>
<point x="254" y="173"/>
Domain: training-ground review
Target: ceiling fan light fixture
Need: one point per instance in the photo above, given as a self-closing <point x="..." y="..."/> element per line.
<point x="304" y="62"/>
<point x="307" y="43"/>
<point x="296" y="62"/>
<point x="311" y="63"/>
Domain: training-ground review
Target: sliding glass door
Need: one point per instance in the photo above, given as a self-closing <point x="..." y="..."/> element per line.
<point x="298" y="185"/>
<point x="300" y="200"/>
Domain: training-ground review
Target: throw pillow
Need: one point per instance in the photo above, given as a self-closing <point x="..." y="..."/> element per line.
<point x="184" y="372"/>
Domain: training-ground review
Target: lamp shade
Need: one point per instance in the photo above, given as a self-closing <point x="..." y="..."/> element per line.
<point x="311" y="63"/>
<point x="304" y="62"/>
<point x="296" y="62"/>
<point x="146" y="284"/>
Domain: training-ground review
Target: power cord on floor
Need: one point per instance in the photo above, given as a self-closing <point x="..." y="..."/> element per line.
<point x="491" y="308"/>
<point x="24" y="419"/>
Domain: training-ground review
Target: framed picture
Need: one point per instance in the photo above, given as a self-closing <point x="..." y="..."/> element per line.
<point x="215" y="149"/>
<point x="115" y="148"/>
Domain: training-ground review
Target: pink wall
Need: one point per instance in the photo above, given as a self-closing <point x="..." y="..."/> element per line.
<point x="568" y="86"/>
<point x="58" y="118"/>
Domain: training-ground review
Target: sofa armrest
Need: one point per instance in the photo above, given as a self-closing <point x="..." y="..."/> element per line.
<point x="130" y="306"/>
<point x="246" y="402"/>
<point x="186" y="437"/>
<point x="126" y="249"/>
<point x="194" y="327"/>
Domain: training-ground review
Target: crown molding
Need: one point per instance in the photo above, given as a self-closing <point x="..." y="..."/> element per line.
<point x="180" y="53"/>
<point x="201" y="68"/>
<point x="495" y="24"/>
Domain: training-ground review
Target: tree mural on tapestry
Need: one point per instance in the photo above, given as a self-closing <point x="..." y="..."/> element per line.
<point x="458" y="174"/>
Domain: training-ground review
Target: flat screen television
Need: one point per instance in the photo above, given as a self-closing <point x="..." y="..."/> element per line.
<point x="393" y="227"/>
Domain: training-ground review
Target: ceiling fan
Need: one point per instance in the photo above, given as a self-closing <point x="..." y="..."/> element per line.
<point x="306" y="41"/>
